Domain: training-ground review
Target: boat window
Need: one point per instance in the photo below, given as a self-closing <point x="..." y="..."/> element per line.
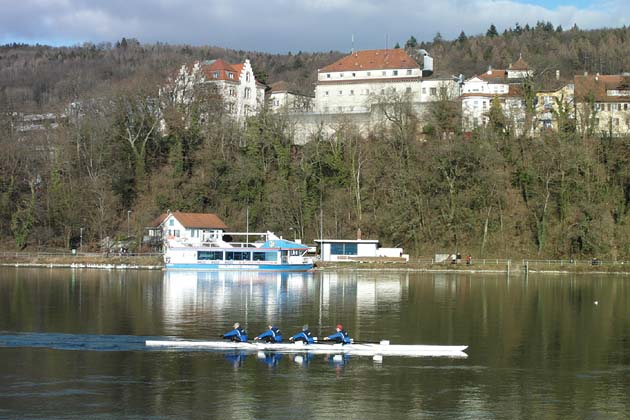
<point x="265" y="256"/>
<point x="209" y="255"/>
<point x="238" y="255"/>
<point x="343" y="249"/>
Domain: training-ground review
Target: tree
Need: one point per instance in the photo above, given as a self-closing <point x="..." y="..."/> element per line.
<point x="462" y="37"/>
<point x="411" y="42"/>
<point x="397" y="46"/>
<point x="492" y="31"/>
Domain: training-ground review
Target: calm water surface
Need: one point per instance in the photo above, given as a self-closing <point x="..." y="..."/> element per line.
<point x="72" y="345"/>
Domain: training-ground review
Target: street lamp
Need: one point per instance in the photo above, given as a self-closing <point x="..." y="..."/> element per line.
<point x="128" y="229"/>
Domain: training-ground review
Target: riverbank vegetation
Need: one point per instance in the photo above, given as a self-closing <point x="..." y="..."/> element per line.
<point x="415" y="182"/>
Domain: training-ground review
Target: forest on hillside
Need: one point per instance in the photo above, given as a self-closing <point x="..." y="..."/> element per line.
<point x="415" y="183"/>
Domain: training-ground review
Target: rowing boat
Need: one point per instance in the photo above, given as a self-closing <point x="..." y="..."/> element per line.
<point x="382" y="348"/>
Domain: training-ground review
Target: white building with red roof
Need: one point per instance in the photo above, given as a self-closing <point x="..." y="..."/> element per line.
<point x="479" y="91"/>
<point x="602" y="103"/>
<point x="355" y="82"/>
<point x="242" y="94"/>
<point x="191" y="228"/>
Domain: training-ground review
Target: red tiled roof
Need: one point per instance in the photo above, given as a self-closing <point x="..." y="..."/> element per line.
<point x="373" y="60"/>
<point x="194" y="220"/>
<point x="597" y="87"/>
<point x="493" y="74"/>
<point x="280" y="86"/>
<point x="221" y="69"/>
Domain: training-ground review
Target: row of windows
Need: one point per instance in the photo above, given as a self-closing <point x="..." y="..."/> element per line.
<point x="408" y="72"/>
<point x="611" y="107"/>
<point x="230" y="75"/>
<point x="237" y="256"/>
<point x="365" y="91"/>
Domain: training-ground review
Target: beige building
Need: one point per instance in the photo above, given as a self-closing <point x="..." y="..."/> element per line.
<point x="602" y="103"/>
<point x="549" y="103"/>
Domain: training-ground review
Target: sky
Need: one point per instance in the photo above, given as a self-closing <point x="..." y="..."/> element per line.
<point x="280" y="26"/>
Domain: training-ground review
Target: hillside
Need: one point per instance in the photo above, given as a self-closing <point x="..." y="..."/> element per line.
<point x="492" y="194"/>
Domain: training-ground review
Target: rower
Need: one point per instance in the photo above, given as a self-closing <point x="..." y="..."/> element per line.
<point x="341" y="336"/>
<point x="237" y="334"/>
<point x="304" y="336"/>
<point x="272" y="335"/>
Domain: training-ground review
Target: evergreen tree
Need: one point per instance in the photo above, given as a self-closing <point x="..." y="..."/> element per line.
<point x="411" y="42"/>
<point x="492" y="31"/>
<point x="462" y="37"/>
<point x="397" y="46"/>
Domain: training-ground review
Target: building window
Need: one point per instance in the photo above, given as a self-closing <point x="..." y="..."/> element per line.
<point x="340" y="74"/>
<point x="327" y="75"/>
<point x="369" y="73"/>
<point x="326" y="93"/>
<point x="408" y="72"/>
<point x="433" y="91"/>
<point x="247" y="93"/>
<point x="351" y="92"/>
<point x="616" y="122"/>
<point x="343" y="249"/>
<point x="384" y="73"/>
<point x="608" y="107"/>
<point x="476" y="104"/>
<point x="408" y="90"/>
<point x="230" y="75"/>
<point x="382" y="91"/>
<point x="215" y="74"/>
<point x="484" y="104"/>
<point x="232" y="92"/>
<point x="354" y="74"/>
<point x="395" y="72"/>
<point x="340" y="92"/>
<point x="424" y="91"/>
<point x="247" y="77"/>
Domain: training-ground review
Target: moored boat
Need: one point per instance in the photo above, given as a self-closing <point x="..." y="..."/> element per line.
<point x="382" y="348"/>
<point x="274" y="254"/>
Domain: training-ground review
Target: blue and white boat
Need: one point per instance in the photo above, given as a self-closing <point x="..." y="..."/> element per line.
<point x="272" y="254"/>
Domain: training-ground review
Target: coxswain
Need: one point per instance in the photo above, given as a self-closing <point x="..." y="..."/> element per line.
<point x="341" y="336"/>
<point x="272" y="335"/>
<point x="304" y="336"/>
<point x="237" y="334"/>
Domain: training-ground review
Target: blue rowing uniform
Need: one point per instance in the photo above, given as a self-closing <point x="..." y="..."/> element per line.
<point x="305" y="336"/>
<point x="237" y="334"/>
<point x="340" y="337"/>
<point x="272" y="335"/>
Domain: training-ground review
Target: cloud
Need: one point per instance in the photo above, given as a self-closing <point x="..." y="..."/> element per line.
<point x="284" y="25"/>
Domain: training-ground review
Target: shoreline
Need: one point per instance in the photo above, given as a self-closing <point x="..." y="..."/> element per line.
<point x="327" y="267"/>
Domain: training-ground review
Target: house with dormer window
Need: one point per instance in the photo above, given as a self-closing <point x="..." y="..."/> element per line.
<point x="190" y="228"/>
<point x="242" y="93"/>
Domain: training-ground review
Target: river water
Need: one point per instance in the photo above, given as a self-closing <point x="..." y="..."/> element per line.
<point x="72" y="345"/>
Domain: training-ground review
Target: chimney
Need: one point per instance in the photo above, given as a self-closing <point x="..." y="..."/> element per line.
<point x="557" y="74"/>
<point x="358" y="234"/>
<point x="489" y="69"/>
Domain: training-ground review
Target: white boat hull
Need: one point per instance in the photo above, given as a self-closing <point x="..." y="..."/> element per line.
<point x="358" y="349"/>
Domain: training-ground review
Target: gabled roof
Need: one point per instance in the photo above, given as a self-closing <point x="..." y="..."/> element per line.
<point x="373" y="60"/>
<point x="193" y="220"/>
<point x="520" y="64"/>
